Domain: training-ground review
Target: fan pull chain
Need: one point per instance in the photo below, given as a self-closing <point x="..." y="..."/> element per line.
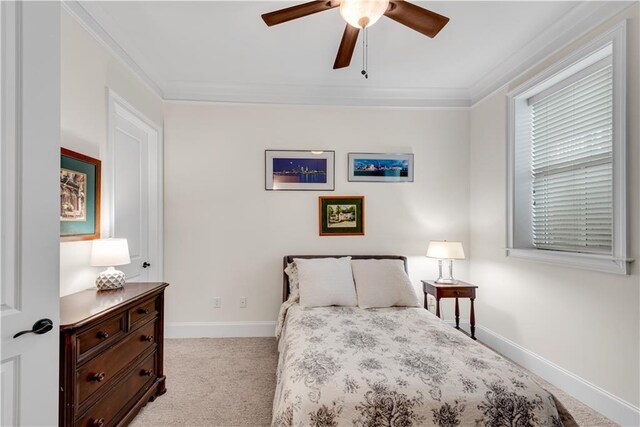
<point x="365" y="53"/>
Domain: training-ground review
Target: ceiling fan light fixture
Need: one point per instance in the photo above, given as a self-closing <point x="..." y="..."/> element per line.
<point x="363" y="13"/>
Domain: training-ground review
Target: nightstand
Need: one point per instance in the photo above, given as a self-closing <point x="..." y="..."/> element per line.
<point x="457" y="290"/>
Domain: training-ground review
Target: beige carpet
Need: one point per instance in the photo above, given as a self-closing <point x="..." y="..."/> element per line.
<point x="230" y="382"/>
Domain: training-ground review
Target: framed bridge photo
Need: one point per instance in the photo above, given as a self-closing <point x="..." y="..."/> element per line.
<point x="79" y="196"/>
<point x="380" y="167"/>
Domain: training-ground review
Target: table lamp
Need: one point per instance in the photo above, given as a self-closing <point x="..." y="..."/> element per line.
<point x="444" y="250"/>
<point x="109" y="253"/>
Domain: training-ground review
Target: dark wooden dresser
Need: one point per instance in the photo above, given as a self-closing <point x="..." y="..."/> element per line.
<point x="111" y="354"/>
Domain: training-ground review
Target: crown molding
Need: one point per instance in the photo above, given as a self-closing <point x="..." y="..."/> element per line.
<point x="580" y="20"/>
<point x="95" y="22"/>
<point x="318" y="95"/>
<point x="584" y="17"/>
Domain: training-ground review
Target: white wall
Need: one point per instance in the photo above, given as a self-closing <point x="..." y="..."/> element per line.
<point x="87" y="68"/>
<point x="583" y="321"/>
<point x="225" y="235"/>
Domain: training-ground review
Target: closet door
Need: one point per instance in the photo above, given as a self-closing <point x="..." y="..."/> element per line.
<point x="135" y="188"/>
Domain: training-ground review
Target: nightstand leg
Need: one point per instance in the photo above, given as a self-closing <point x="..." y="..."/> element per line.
<point x="457" y="315"/>
<point x="438" y="307"/>
<point x="472" y="321"/>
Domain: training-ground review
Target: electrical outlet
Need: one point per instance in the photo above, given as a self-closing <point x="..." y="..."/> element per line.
<point x="243" y="302"/>
<point x="216" y="302"/>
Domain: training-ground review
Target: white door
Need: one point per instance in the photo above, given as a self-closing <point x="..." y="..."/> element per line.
<point x="29" y="201"/>
<point x="134" y="153"/>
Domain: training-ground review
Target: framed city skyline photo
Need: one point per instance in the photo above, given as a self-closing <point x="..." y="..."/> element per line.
<point x="341" y="215"/>
<point x="79" y="196"/>
<point x="380" y="167"/>
<point x="299" y="170"/>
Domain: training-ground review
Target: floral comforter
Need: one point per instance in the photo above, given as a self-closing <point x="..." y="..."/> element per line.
<point x="343" y="366"/>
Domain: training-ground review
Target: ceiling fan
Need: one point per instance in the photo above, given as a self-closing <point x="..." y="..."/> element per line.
<point x="361" y="14"/>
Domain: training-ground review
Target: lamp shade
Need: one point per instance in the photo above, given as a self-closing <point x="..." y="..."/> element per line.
<point x="109" y="252"/>
<point x="442" y="249"/>
<point x="363" y="13"/>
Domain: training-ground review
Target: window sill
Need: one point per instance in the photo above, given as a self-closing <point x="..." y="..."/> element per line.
<point x="602" y="263"/>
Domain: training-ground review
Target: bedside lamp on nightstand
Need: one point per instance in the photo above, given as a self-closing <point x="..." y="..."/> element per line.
<point x="109" y="253"/>
<point x="444" y="250"/>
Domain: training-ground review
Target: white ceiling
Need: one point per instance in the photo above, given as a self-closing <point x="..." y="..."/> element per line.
<point x="224" y="49"/>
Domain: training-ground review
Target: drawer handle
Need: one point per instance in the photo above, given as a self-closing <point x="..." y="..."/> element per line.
<point x="455" y="292"/>
<point x="103" y="335"/>
<point x="98" y="423"/>
<point x="143" y="310"/>
<point x="147" y="338"/>
<point x="99" y="377"/>
<point x="146" y="372"/>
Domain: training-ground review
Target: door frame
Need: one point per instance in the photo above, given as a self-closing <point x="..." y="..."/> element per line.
<point x="117" y="106"/>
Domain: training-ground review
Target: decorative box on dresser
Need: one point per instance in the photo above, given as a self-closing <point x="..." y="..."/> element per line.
<point x="111" y="354"/>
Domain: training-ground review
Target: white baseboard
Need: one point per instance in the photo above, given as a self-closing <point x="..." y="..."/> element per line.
<point x="591" y="395"/>
<point x="219" y="329"/>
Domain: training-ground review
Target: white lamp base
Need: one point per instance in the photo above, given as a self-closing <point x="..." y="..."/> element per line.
<point x="446" y="280"/>
<point x="110" y="279"/>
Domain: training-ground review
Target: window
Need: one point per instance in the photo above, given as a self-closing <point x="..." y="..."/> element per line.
<point x="571" y="164"/>
<point x="567" y="178"/>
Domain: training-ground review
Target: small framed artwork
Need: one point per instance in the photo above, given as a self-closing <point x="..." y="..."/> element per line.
<point x="299" y="170"/>
<point x="341" y="215"/>
<point x="79" y="196"/>
<point x="378" y="167"/>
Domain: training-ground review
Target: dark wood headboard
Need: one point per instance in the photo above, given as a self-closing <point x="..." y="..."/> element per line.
<point x="289" y="258"/>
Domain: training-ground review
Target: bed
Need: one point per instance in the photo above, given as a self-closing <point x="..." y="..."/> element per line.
<point x="397" y="366"/>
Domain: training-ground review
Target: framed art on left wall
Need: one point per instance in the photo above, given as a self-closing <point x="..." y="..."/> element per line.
<point x="79" y="196"/>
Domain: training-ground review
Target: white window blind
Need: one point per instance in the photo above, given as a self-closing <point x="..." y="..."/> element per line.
<point x="572" y="137"/>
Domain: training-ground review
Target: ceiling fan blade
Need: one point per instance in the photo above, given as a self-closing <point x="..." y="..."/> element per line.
<point x="298" y="11"/>
<point x="422" y="20"/>
<point x="347" y="45"/>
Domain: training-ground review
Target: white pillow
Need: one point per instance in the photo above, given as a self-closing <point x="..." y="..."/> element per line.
<point x="383" y="283"/>
<point x="326" y="281"/>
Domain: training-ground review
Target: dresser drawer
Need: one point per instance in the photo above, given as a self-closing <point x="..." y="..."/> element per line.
<point x="140" y="313"/>
<point x="105" y="332"/>
<point x="104" y="412"/>
<point x="456" y="293"/>
<point x="97" y="372"/>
